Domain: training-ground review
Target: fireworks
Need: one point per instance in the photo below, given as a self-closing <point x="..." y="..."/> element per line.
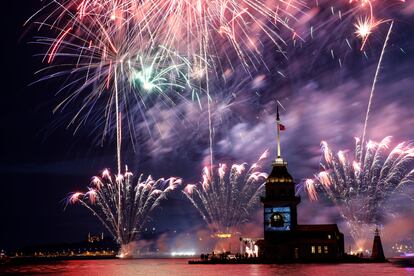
<point x="211" y="29"/>
<point x="121" y="205"/>
<point x="363" y="28"/>
<point x="126" y="56"/>
<point x="129" y="71"/>
<point x="227" y="200"/>
<point x="127" y="53"/>
<point x="100" y="36"/>
<point x="184" y="41"/>
<point x="338" y="28"/>
<point x="365" y="25"/>
<point x="377" y="71"/>
<point x="362" y="185"/>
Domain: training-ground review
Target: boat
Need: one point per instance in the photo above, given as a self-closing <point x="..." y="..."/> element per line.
<point x="405" y="260"/>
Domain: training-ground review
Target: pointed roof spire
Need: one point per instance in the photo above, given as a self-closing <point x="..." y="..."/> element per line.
<point x="377" y="232"/>
<point x="277" y="113"/>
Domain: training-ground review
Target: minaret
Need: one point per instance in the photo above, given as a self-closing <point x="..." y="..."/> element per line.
<point x="377" y="250"/>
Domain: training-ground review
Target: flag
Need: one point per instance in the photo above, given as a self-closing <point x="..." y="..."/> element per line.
<point x="281" y="127"/>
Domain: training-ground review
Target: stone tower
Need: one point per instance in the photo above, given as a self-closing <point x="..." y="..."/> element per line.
<point x="280" y="205"/>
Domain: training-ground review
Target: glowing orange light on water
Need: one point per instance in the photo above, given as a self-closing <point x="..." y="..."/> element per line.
<point x="223" y="235"/>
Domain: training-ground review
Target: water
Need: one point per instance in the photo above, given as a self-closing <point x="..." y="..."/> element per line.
<point x="178" y="267"/>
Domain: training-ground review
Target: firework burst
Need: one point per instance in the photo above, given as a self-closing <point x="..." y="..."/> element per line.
<point x="117" y="54"/>
<point x="122" y="205"/>
<point x="209" y="33"/>
<point x="217" y="28"/>
<point x="227" y="200"/>
<point x="363" y="185"/>
<point x="345" y="28"/>
<point x="114" y="73"/>
<point x="365" y="25"/>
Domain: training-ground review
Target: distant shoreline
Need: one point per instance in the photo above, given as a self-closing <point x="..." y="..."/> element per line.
<point x="45" y="260"/>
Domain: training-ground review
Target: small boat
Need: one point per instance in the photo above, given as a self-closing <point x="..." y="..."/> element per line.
<point x="405" y="260"/>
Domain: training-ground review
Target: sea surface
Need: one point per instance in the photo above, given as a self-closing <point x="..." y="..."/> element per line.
<point x="178" y="267"/>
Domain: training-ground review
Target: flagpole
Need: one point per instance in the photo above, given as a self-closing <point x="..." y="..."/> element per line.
<point x="278" y="141"/>
<point x="278" y="133"/>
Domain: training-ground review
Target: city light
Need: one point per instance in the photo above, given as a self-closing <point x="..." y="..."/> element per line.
<point x="183" y="253"/>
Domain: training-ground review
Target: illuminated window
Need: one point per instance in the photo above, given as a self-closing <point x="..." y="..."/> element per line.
<point x="313" y="249"/>
<point x="319" y="249"/>
<point x="325" y="249"/>
<point x="329" y="237"/>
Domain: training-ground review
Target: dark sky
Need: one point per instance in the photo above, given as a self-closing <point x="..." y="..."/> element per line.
<point x="37" y="171"/>
<point x="41" y="161"/>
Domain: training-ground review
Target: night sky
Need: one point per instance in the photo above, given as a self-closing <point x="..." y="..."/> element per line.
<point x="42" y="161"/>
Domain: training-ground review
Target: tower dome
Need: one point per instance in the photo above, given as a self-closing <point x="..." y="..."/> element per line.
<point x="279" y="174"/>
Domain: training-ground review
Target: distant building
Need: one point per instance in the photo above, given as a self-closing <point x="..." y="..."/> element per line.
<point x="284" y="239"/>
<point x="95" y="238"/>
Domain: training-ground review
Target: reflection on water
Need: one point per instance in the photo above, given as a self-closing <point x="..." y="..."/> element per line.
<point x="174" y="267"/>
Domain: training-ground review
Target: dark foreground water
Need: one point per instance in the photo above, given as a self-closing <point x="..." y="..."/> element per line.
<point x="174" y="267"/>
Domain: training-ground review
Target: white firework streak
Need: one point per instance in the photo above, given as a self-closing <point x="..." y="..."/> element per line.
<point x="226" y="200"/>
<point x="362" y="189"/>
<point x="122" y="205"/>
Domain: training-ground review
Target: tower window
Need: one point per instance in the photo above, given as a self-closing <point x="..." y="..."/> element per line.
<point x="319" y="249"/>
<point x="313" y="249"/>
<point x="329" y="237"/>
<point x="325" y="249"/>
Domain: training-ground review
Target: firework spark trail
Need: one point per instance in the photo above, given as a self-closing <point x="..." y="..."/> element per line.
<point x="371" y="95"/>
<point x="99" y="40"/>
<point x="122" y="206"/>
<point x="118" y="123"/>
<point x="203" y="24"/>
<point x="365" y="25"/>
<point x="362" y="185"/>
<point x="226" y="201"/>
<point x="203" y="31"/>
<point x="345" y="22"/>
<point x="133" y="77"/>
<point x="101" y="35"/>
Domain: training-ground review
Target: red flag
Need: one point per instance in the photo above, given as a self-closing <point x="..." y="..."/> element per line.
<point x="282" y="127"/>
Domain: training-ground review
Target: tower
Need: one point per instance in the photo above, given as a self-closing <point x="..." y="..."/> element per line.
<point x="377" y="250"/>
<point x="280" y="204"/>
<point x="284" y="239"/>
